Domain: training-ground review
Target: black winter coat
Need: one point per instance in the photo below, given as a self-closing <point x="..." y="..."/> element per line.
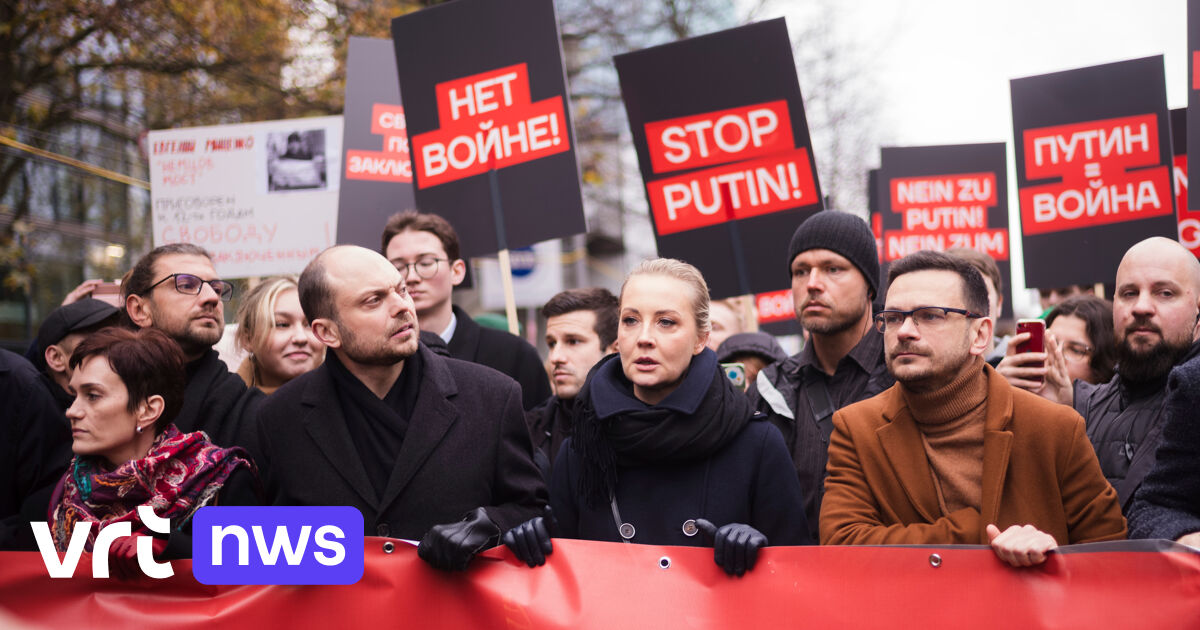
<point x="1168" y="503"/>
<point x="466" y="447"/>
<point x="218" y="402"/>
<point x="749" y="480"/>
<point x="502" y="351"/>
<point x="35" y="448"/>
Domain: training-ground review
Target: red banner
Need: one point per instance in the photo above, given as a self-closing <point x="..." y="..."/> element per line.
<point x="605" y="585"/>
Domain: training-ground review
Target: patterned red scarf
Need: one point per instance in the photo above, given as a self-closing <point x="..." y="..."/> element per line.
<point x="181" y="473"/>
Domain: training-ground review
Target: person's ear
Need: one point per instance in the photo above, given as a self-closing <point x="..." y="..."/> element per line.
<point x="612" y="347"/>
<point x="149" y="412"/>
<point x="701" y="343"/>
<point x="56" y="359"/>
<point x="458" y="272"/>
<point x="326" y="331"/>
<point x="982" y="328"/>
<point x="139" y="311"/>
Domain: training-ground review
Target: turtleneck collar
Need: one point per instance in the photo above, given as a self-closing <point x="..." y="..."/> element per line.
<point x="966" y="392"/>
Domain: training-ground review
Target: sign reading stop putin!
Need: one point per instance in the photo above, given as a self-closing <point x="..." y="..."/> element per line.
<point x="719" y="127"/>
<point x="1093" y="155"/>
<point x="485" y="102"/>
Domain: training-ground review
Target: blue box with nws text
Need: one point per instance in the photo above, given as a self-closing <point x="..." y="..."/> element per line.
<point x="277" y="545"/>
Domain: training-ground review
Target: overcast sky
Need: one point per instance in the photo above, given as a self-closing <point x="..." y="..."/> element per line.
<point x="943" y="66"/>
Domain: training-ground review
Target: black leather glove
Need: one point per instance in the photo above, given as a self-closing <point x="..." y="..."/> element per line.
<point x="530" y="541"/>
<point x="451" y="546"/>
<point x="735" y="546"/>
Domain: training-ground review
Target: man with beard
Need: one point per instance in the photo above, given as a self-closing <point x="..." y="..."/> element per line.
<point x="953" y="454"/>
<point x="834" y="268"/>
<point x="1155" y="311"/>
<point x="581" y="329"/>
<point x="175" y="288"/>
<point x="428" y="448"/>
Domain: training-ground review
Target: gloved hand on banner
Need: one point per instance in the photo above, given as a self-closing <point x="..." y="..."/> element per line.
<point x="122" y="556"/>
<point x="735" y="546"/>
<point x="530" y="541"/>
<point x="451" y="546"/>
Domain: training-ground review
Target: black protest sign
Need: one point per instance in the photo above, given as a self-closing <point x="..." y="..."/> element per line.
<point x="378" y="173"/>
<point x="488" y="121"/>
<point x="1193" y="108"/>
<point x="945" y="197"/>
<point x="1093" y="155"/>
<point x="721" y="137"/>
<point x="1189" y="220"/>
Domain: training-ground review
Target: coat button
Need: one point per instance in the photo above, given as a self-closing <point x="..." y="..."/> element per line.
<point x="689" y="527"/>
<point x="627" y="531"/>
<point x="383" y="530"/>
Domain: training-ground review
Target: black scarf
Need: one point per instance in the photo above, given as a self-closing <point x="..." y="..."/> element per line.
<point x="615" y="429"/>
<point x="377" y="426"/>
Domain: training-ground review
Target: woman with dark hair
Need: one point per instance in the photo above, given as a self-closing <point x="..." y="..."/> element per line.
<point x="1080" y="345"/>
<point x="1083" y="327"/>
<point x="129" y="386"/>
<point x="665" y="448"/>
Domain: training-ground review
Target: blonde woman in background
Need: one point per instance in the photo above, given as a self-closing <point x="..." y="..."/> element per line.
<point x="274" y="330"/>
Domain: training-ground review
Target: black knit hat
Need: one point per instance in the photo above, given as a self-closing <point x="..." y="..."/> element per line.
<point x="844" y="234"/>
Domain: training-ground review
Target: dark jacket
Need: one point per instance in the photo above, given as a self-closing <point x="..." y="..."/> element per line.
<point x="1124" y="426"/>
<point x="501" y="351"/>
<point x="466" y="446"/>
<point x="780" y="392"/>
<point x="1168" y="503"/>
<point x="550" y="424"/>
<point x="749" y="480"/>
<point x="35" y="448"/>
<point x="218" y="402"/>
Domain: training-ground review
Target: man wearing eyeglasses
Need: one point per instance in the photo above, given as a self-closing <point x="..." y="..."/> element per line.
<point x="834" y="270"/>
<point x="424" y="247"/>
<point x="176" y="289"/>
<point x="953" y="454"/>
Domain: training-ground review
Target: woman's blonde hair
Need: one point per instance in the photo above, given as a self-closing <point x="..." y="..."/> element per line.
<point x="256" y="313"/>
<point x="685" y="273"/>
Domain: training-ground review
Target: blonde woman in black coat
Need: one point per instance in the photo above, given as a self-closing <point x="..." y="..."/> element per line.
<point x="666" y="451"/>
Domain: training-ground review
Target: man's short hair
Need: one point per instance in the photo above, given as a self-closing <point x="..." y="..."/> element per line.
<point x="984" y="263"/>
<point x="315" y="292"/>
<point x="974" y="290"/>
<point x="141" y="277"/>
<point x="411" y="220"/>
<point x="595" y="299"/>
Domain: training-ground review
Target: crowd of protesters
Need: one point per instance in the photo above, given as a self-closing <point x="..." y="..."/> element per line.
<point x="902" y="420"/>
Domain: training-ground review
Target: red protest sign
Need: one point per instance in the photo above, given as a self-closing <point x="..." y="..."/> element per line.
<point x="1094" y="160"/>
<point x="393" y="164"/>
<point x="732" y="191"/>
<point x="718" y="137"/>
<point x="775" y="306"/>
<point x="488" y="121"/>
<point x="1189" y="220"/>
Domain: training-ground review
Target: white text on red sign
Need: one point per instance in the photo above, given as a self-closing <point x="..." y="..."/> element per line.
<point x="1094" y="161"/>
<point x="393" y="164"/>
<point x="718" y="137"/>
<point x="487" y="121"/>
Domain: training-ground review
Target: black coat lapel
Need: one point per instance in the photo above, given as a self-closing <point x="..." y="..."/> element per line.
<point x="432" y="417"/>
<point x="327" y="427"/>
<point x="465" y="342"/>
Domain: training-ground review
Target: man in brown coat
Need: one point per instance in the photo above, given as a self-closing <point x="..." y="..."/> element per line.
<point x="953" y="454"/>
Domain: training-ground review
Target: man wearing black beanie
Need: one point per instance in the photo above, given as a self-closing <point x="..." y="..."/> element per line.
<point x="834" y="268"/>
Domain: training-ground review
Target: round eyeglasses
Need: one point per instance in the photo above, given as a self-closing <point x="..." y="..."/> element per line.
<point x="426" y="268"/>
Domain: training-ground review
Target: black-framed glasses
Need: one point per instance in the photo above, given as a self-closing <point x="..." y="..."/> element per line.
<point x="188" y="284"/>
<point x="426" y="268"/>
<point x="927" y="317"/>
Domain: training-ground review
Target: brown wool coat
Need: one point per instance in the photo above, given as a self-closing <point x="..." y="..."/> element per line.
<point x="1038" y="469"/>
